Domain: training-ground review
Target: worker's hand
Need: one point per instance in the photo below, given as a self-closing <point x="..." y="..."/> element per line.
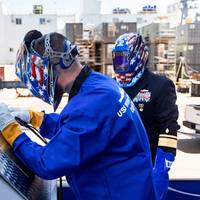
<point x="35" y="118"/>
<point x="162" y="165"/>
<point x="9" y="128"/>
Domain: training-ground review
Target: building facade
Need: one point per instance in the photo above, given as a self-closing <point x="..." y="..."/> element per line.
<point x="188" y="43"/>
<point x="14" y="27"/>
<point x="161" y="41"/>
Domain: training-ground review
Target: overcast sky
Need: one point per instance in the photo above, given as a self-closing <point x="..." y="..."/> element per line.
<point x="73" y="6"/>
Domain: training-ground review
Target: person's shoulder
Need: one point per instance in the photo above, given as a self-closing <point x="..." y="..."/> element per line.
<point x="99" y="80"/>
<point x="160" y="79"/>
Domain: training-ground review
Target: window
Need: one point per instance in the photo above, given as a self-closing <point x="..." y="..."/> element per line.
<point x="18" y="21"/>
<point x="11" y="49"/>
<point x="42" y="20"/>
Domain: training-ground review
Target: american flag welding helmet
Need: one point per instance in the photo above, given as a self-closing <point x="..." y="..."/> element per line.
<point x="130" y="56"/>
<point x="36" y="73"/>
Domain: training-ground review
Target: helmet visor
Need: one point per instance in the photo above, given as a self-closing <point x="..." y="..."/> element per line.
<point x="120" y="61"/>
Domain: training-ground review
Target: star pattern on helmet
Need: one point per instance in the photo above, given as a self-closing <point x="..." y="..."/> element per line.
<point x="41" y="92"/>
<point x="28" y="59"/>
<point x="44" y="87"/>
<point x="32" y="78"/>
<point x="29" y="86"/>
<point x="45" y="71"/>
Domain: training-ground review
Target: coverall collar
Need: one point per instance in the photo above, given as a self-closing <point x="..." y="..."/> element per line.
<point x="85" y="72"/>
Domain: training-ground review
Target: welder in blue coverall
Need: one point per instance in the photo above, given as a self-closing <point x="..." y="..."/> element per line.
<point x="155" y="98"/>
<point x="97" y="141"/>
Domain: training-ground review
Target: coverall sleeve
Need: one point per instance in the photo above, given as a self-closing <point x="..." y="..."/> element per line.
<point x="49" y="125"/>
<point x="80" y="139"/>
<point x="166" y="112"/>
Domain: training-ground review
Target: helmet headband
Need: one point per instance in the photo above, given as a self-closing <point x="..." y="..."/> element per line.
<point x="65" y="59"/>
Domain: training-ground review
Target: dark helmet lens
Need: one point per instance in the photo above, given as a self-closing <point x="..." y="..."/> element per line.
<point x="120" y="61"/>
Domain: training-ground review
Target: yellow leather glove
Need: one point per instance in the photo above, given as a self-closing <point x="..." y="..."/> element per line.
<point x="9" y="128"/>
<point x="11" y="132"/>
<point x="36" y="118"/>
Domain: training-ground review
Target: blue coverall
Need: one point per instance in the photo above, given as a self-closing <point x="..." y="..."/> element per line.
<point x="98" y="142"/>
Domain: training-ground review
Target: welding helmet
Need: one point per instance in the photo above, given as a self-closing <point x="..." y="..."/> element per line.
<point x="130" y="56"/>
<point x="38" y="72"/>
